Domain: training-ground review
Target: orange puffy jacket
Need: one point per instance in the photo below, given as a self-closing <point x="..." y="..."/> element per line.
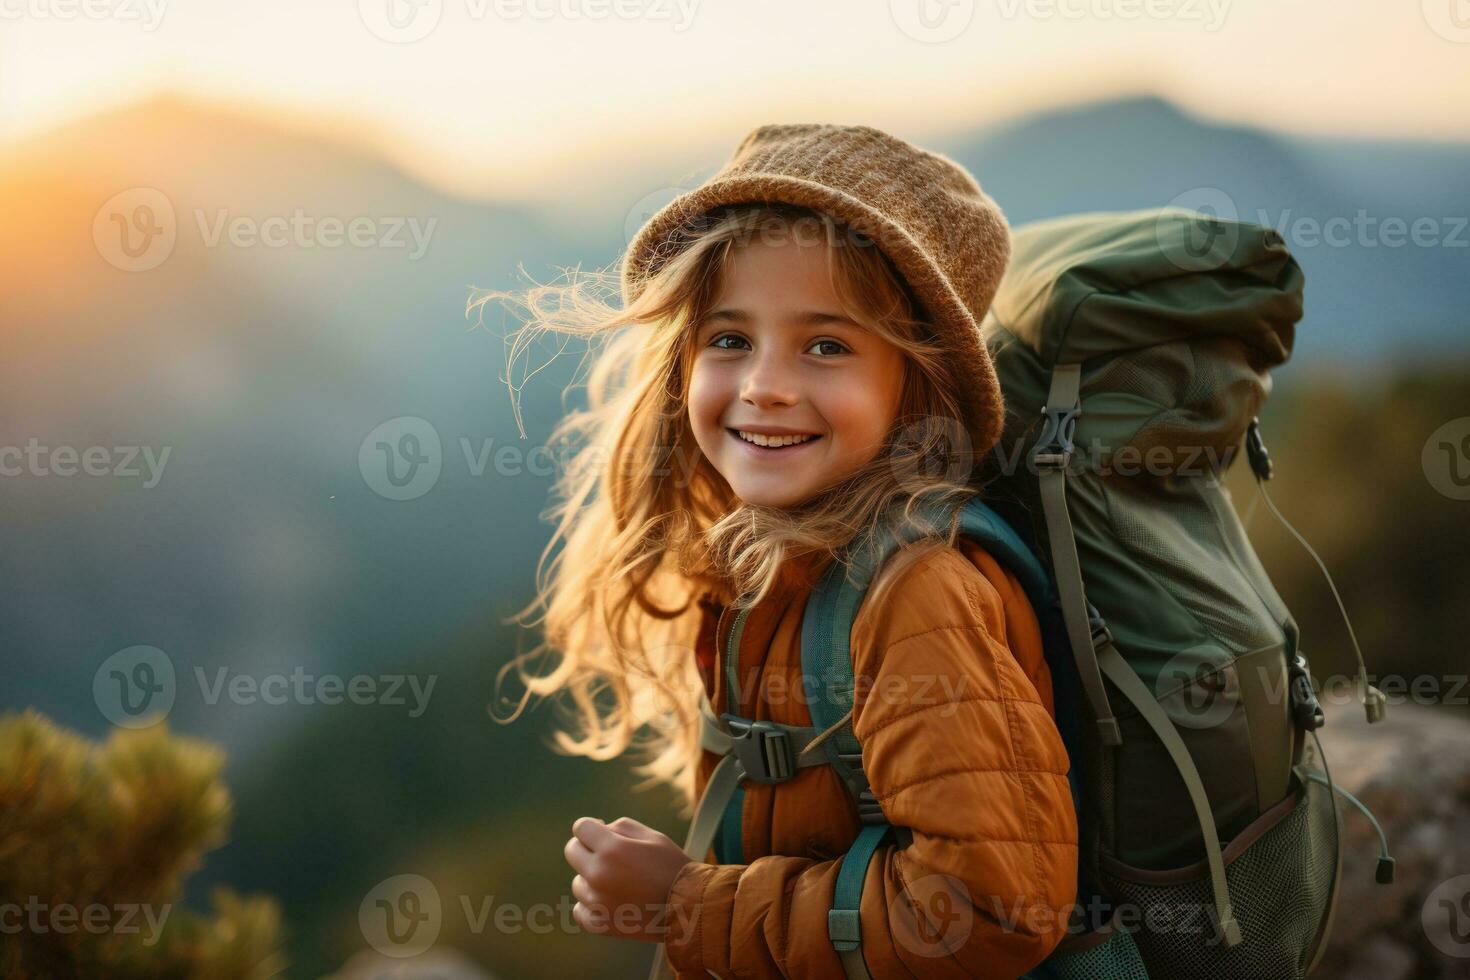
<point x="960" y="746"/>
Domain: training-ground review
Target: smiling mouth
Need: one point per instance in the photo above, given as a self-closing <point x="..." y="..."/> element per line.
<point x="735" y="434"/>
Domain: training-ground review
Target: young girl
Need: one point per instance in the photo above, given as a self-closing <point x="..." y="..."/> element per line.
<point x="799" y="364"/>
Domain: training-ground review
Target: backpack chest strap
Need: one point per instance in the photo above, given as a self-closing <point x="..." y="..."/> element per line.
<point x="762" y="751"/>
<point x="766" y="751"/>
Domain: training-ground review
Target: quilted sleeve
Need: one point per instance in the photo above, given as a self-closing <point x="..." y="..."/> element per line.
<point x="959" y="749"/>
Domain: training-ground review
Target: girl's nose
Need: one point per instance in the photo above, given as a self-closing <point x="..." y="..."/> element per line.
<point x="769" y="380"/>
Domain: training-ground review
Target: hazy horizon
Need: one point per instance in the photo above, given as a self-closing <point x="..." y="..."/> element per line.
<point x="512" y="97"/>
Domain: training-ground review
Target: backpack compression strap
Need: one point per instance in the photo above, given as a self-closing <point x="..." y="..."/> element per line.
<point x="1051" y="457"/>
<point x="1128" y="681"/>
<point x="1092" y="644"/>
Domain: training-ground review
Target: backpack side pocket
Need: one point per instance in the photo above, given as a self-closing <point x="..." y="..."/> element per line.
<point x="1282" y="871"/>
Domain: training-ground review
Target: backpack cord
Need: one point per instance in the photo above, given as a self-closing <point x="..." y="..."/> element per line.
<point x="1374" y="703"/>
<point x="1250" y="512"/>
<point x="1384" y="874"/>
<point x="828" y="732"/>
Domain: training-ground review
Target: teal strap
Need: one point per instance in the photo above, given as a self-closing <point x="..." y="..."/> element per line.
<point x="826" y="627"/>
<point x="826" y="647"/>
<point x="979" y="522"/>
<point x="844" y="924"/>
<point x="731" y="847"/>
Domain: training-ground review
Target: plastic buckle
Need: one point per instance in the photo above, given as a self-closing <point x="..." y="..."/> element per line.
<point x="1054" y="447"/>
<point x="1305" y="707"/>
<point x="762" y="748"/>
<point x="844" y="929"/>
<point x="869" y="812"/>
<point x="1255" y="450"/>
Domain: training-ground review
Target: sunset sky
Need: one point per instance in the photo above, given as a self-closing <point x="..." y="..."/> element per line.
<point x="498" y="96"/>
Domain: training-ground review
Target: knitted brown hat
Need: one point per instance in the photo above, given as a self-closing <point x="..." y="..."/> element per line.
<point x="945" y="235"/>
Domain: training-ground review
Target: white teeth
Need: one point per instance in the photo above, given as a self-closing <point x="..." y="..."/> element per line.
<point x="772" y="441"/>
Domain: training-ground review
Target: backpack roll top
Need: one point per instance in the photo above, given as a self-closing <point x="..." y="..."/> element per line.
<point x="1105" y="282"/>
<point x="1175" y="351"/>
<point x="1135" y="350"/>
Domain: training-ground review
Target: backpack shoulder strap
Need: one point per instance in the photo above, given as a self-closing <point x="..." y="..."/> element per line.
<point x="826" y="629"/>
<point x="826" y="659"/>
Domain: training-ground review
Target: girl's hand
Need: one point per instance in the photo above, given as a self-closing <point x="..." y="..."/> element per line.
<point x="624" y="872"/>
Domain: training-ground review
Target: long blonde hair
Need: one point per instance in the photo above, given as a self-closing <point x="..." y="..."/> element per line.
<point x="649" y="527"/>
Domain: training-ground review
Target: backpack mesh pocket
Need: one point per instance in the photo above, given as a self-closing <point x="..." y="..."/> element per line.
<point x="1281" y="870"/>
<point x="1115" y="958"/>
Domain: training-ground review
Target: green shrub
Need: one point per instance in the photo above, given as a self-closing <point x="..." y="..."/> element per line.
<point x="95" y="842"/>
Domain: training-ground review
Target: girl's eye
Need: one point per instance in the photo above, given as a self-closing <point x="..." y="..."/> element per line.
<point x="725" y="336"/>
<point x="841" y="348"/>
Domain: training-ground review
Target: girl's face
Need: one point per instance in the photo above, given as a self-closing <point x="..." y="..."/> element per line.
<point x="776" y="358"/>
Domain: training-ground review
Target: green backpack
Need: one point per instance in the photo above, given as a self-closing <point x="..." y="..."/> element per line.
<point x="1134" y="352"/>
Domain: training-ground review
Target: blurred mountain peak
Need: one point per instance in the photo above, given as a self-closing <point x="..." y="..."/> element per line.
<point x="1144" y="106"/>
<point x="178" y="120"/>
